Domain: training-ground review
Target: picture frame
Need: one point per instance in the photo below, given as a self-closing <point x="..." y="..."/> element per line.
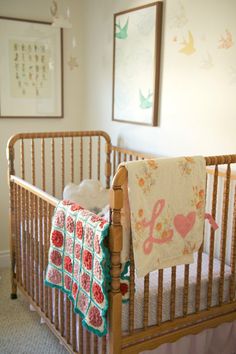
<point x="31" y="69"/>
<point x="136" y="64"/>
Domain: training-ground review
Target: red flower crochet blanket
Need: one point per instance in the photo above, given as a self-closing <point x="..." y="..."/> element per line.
<point x="78" y="262"/>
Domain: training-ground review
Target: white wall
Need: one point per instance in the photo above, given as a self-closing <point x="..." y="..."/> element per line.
<point x="73" y="87"/>
<point x="197" y="104"/>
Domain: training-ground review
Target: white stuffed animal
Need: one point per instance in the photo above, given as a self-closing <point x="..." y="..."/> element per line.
<point x="90" y="194"/>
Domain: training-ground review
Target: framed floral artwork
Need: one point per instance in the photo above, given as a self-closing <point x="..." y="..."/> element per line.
<point x="136" y="64"/>
<point x="31" y="69"/>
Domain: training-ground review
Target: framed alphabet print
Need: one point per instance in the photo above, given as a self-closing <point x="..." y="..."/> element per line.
<point x="31" y="71"/>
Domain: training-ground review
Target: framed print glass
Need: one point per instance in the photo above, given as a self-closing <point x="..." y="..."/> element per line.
<point x="31" y="74"/>
<point x="136" y="64"/>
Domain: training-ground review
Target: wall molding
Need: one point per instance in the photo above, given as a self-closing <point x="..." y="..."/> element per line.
<point x="4" y="259"/>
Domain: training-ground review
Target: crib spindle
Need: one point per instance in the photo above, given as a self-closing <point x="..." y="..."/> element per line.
<point x="27" y="240"/>
<point x="198" y="279"/>
<point x="99" y="159"/>
<point x="212" y="239"/>
<point x="68" y="305"/>
<point x="40" y="253"/>
<point x="173" y="293"/>
<point x="95" y="344"/>
<point x="62" y="164"/>
<point x="56" y="309"/>
<point x="50" y="291"/>
<point x="32" y="221"/>
<point x="23" y="235"/>
<point x="43" y="164"/>
<point x="131" y="289"/>
<point x="104" y="345"/>
<point x="36" y="243"/>
<point x="90" y="157"/>
<point x="53" y="165"/>
<point x="18" y="241"/>
<point x="186" y="288"/>
<point x="159" y="296"/>
<point x="72" y="176"/>
<point x="233" y="253"/>
<point x="45" y="237"/>
<point x="62" y="318"/>
<point x="73" y="315"/>
<point x="81" y="158"/>
<point x="146" y="301"/>
<point x="22" y="160"/>
<point x="224" y="233"/>
<point x="88" y="347"/>
<point x="81" y="338"/>
<point x="33" y="162"/>
<point x="114" y="162"/>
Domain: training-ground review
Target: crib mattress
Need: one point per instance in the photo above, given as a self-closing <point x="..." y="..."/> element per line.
<point x="139" y="291"/>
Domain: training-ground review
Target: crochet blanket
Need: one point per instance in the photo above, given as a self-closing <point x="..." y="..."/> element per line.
<point x="78" y="262"/>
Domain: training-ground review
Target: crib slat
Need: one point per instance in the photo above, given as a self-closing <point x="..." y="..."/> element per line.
<point x="23" y="225"/>
<point x="159" y="296"/>
<point x="72" y="177"/>
<point x="53" y="165"/>
<point x="95" y="344"/>
<point x="224" y="233"/>
<point x="27" y="241"/>
<point x="45" y="237"/>
<point x="198" y="279"/>
<point x="68" y="305"/>
<point x="41" y="251"/>
<point x="99" y="159"/>
<point x="104" y="345"/>
<point x="212" y="239"/>
<point x="73" y="331"/>
<point x="81" y="158"/>
<point x="88" y="347"/>
<point x="32" y="221"/>
<point x="62" y="309"/>
<point x="33" y="162"/>
<point x="62" y="164"/>
<point x="186" y="288"/>
<point x="173" y="293"/>
<point x="81" y="338"/>
<point x="43" y="164"/>
<point x="22" y="160"/>
<point x="146" y="301"/>
<point x="90" y="157"/>
<point x="114" y="162"/>
<point x="56" y="311"/>
<point x="131" y="289"/>
<point x="233" y="253"/>
<point x="18" y="233"/>
<point x="36" y="244"/>
<point x="50" y="291"/>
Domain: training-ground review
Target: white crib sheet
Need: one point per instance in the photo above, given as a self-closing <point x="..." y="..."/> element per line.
<point x="139" y="291"/>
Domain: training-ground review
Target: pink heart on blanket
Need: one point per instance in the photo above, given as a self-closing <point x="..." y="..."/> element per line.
<point x="184" y="224"/>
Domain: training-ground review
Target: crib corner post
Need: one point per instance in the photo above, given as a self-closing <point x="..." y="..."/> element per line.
<point x="11" y="171"/>
<point x="115" y="246"/>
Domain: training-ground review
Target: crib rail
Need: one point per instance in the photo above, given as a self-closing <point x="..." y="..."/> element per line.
<point x="214" y="294"/>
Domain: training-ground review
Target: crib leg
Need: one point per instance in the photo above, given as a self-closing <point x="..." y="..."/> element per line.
<point x="13" y="278"/>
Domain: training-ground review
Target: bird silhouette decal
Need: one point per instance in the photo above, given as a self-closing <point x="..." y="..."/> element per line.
<point x="123" y="32"/>
<point x="188" y="45"/>
<point x="145" y="101"/>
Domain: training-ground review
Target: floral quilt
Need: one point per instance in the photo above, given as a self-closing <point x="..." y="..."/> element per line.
<point x="79" y="262"/>
<point x="167" y="210"/>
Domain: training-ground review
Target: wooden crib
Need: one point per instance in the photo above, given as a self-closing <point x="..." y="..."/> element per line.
<point x="40" y="164"/>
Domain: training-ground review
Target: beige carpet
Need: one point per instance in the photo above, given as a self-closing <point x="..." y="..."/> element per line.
<point x="20" y="328"/>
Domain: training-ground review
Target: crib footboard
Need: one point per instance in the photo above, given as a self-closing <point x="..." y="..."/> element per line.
<point x="31" y="215"/>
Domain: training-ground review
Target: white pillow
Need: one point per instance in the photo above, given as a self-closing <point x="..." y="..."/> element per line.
<point x="90" y="194"/>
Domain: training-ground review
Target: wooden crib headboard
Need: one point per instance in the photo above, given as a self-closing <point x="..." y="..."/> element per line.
<point x="43" y="158"/>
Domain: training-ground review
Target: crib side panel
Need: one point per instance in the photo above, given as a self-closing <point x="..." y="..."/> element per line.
<point x="187" y="298"/>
